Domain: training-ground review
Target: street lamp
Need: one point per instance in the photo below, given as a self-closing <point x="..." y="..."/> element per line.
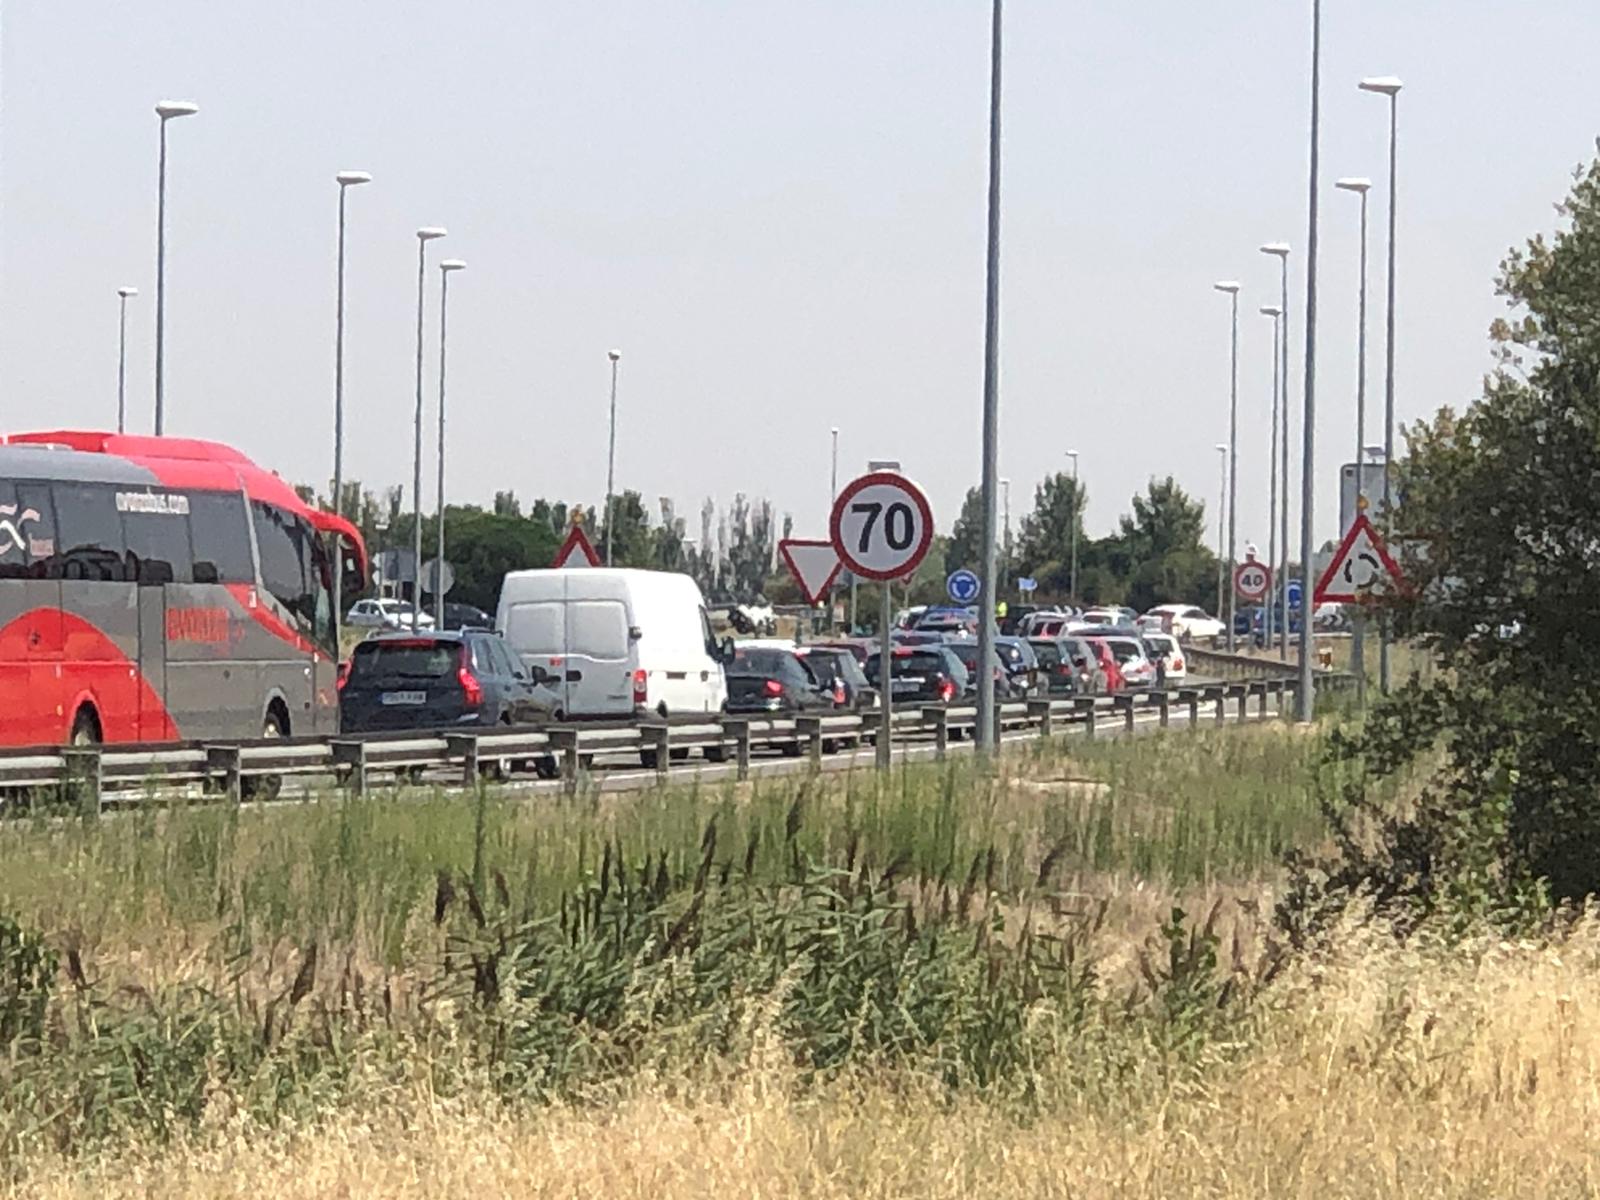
<point x="123" y="295"/>
<point x="1280" y="251"/>
<point x="611" y="456"/>
<point x="1388" y="85"/>
<point x="1231" y="289"/>
<point x="166" y="110"/>
<point x="1268" y="619"/>
<point x="1077" y="519"/>
<point x="1222" y="503"/>
<point x="1005" y="537"/>
<point x="345" y="180"/>
<point x="445" y="268"/>
<point x="424" y="235"/>
<point x="1358" y="649"/>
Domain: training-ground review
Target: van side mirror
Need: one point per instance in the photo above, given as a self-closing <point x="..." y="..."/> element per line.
<point x="634" y="633"/>
<point x="725" y="652"/>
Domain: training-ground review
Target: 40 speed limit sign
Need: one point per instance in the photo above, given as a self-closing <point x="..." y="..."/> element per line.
<point x="881" y="526"/>
<point x="1252" y="580"/>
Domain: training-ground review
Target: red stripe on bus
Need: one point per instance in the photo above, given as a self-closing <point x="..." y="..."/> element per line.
<point x="249" y="598"/>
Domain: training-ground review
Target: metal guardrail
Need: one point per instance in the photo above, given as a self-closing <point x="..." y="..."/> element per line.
<point x="85" y="774"/>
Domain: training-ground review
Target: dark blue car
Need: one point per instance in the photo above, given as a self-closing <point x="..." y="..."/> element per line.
<point x="449" y="680"/>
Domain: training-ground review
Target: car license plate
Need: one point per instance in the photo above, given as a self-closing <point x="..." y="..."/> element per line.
<point x="404" y="697"/>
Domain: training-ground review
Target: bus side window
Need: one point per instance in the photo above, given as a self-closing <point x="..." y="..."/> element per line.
<point x="220" y="532"/>
<point x="89" y="541"/>
<point x="283" y="559"/>
<point x="158" y="547"/>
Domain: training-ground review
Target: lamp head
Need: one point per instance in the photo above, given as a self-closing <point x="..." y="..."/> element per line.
<point x="1227" y="285"/>
<point x="1374" y="451"/>
<point x="1271" y="310"/>
<point x="347" y="178"/>
<point x="125" y="292"/>
<point x="167" y="109"/>
<point x="428" y="232"/>
<point x="453" y="264"/>
<point x="613" y="355"/>
<point x="1353" y="184"/>
<point x="1278" y="249"/>
<point x="1384" y="85"/>
<point x="1072" y="454"/>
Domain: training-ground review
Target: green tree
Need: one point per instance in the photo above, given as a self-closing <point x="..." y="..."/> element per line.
<point x="1160" y="548"/>
<point x="965" y="547"/>
<point x="632" y="544"/>
<point x="1500" y="520"/>
<point x="1044" y="547"/>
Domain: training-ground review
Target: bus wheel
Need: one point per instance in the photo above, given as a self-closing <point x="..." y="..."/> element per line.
<point x="85" y="728"/>
<point x="267" y="787"/>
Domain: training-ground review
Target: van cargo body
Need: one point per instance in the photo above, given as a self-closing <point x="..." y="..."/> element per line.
<point x="615" y="642"/>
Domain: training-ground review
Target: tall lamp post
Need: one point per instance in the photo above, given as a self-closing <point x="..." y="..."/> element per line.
<point x="1388" y="85"/>
<point x="1269" y="617"/>
<point x="345" y="180"/>
<point x="123" y="295"/>
<point x="1308" y="422"/>
<point x="1280" y="569"/>
<point x="986" y="738"/>
<point x="1077" y="519"/>
<point x="611" y="455"/>
<point x="1358" y="632"/>
<point x="424" y="235"/>
<point x="1231" y="289"/>
<point x="446" y="267"/>
<point x="1222" y="504"/>
<point x="166" y="110"/>
<point x="1005" y="536"/>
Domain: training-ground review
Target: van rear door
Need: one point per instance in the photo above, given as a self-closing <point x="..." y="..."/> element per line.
<point x="599" y="674"/>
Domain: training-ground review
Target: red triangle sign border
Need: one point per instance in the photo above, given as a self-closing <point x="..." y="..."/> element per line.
<point x="577" y="543"/>
<point x="812" y="597"/>
<point x="1325" y="593"/>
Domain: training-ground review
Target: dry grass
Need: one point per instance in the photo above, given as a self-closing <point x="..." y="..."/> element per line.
<point x="1381" y="1072"/>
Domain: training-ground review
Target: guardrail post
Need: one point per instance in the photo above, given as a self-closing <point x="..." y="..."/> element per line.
<point x="936" y="716"/>
<point x="1244" y="700"/>
<point x="1125" y="702"/>
<point x="1041" y="714"/>
<point x="1164" y="708"/>
<point x="1222" y="704"/>
<point x="742" y="749"/>
<point x="1261" y="703"/>
<point x="565" y="743"/>
<point x="810" y="729"/>
<point x="1086" y="706"/>
<point x="1278" y="690"/>
<point x="223" y="763"/>
<point x="999" y="725"/>
<point x="349" y="756"/>
<point x="658" y="734"/>
<point x="81" y="776"/>
<point x="466" y="746"/>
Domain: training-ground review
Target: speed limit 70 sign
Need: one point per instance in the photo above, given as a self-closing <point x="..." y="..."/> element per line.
<point x="881" y="525"/>
<point x="1252" y="580"/>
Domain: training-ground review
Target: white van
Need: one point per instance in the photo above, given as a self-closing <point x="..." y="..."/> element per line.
<point x="615" y="642"/>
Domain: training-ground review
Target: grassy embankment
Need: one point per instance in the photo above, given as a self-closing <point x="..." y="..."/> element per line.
<point x="950" y="985"/>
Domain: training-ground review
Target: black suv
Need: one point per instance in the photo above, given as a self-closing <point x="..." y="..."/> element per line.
<point x="435" y="680"/>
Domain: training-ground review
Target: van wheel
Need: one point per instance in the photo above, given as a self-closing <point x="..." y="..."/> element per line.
<point x="679" y="753"/>
<point x="85" y="728"/>
<point x="546" y="767"/>
<point x="716" y="754"/>
<point x="650" y="759"/>
<point x="790" y="749"/>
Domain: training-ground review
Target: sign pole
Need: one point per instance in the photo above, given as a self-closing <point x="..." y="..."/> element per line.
<point x="886" y="676"/>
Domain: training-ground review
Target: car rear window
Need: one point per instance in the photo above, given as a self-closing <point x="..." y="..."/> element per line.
<point x="1049" y="653"/>
<point x="414" y="658"/>
<point x="1123" y="650"/>
<point x="757" y="661"/>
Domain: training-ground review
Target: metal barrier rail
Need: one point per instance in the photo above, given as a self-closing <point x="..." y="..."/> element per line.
<point x="85" y="774"/>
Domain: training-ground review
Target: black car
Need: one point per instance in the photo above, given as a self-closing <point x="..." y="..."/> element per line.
<point x="836" y="667"/>
<point x="435" y="680"/>
<point x="763" y="679"/>
<point x="921" y="674"/>
<point x="1066" y="666"/>
<point x="1008" y="686"/>
<point x="465" y="616"/>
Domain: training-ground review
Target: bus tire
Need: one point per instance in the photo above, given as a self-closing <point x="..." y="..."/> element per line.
<point x="275" y="724"/>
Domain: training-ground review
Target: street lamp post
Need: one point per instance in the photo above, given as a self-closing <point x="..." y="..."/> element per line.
<point x="1358" y="632"/>
<point x="345" y="180"/>
<point x="1222" y="504"/>
<point x="1308" y="439"/>
<point x="1388" y="85"/>
<point x="123" y="295"/>
<point x="166" y="110"/>
<point x="1268" y="618"/>
<point x="1077" y="519"/>
<point x="424" y="235"/>
<point x="446" y="267"/>
<point x="1231" y="289"/>
<point x="1005" y="536"/>
<point x="833" y="470"/>
<point x="611" y="455"/>
<point x="1280" y="569"/>
<point x="986" y="734"/>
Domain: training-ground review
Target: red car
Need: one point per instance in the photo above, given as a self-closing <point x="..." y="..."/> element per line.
<point x="1110" y="670"/>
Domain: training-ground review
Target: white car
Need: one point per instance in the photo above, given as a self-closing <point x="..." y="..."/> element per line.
<point x="385" y="614"/>
<point x="1186" y="622"/>
<point x="1175" y="669"/>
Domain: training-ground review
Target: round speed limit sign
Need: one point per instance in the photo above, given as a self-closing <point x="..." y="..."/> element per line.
<point x="1252" y="580"/>
<point x="881" y="525"/>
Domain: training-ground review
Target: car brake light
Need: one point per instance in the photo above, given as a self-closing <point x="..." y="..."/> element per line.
<point x="947" y="690"/>
<point x="1177" y="664"/>
<point x="772" y="688"/>
<point x="641" y="687"/>
<point x="839" y="697"/>
<point x="344" y="674"/>
<point x="471" y="689"/>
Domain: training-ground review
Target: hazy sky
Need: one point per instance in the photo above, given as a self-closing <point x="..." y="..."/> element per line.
<point x="776" y="211"/>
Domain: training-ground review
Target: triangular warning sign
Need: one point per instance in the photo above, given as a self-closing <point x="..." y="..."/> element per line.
<point x="576" y="551"/>
<point x="1361" y="567"/>
<point x="814" y="565"/>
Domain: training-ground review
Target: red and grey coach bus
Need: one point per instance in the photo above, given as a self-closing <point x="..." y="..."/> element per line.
<point x="161" y="589"/>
